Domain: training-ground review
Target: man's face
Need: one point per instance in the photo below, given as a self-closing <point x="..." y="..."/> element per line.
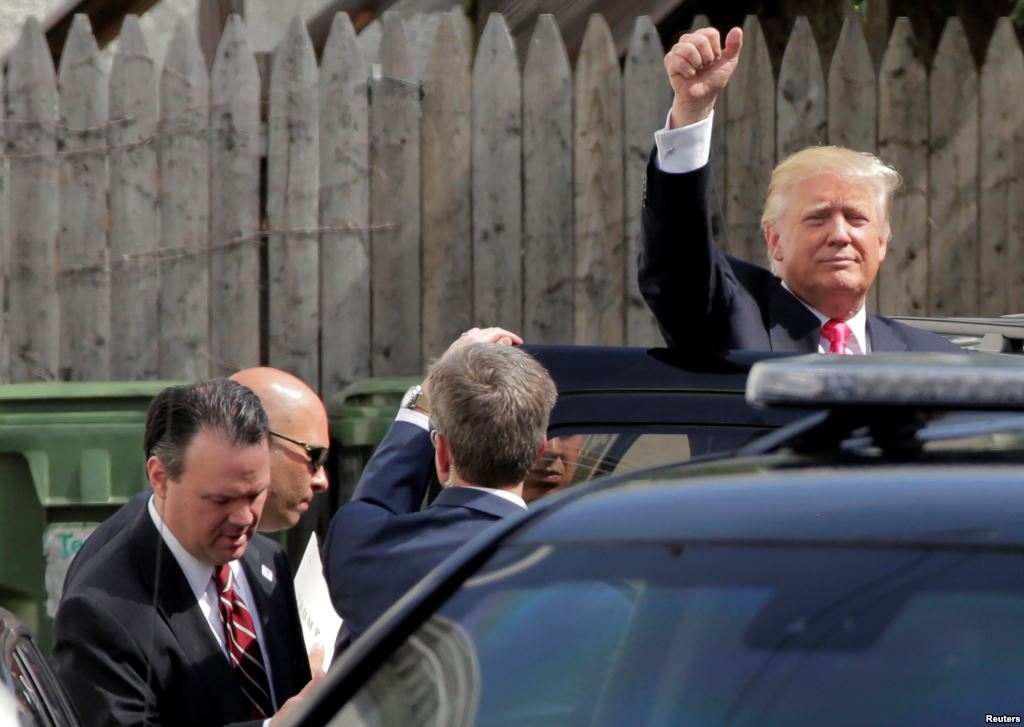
<point x="214" y="506"/>
<point x="829" y="243"/>
<point x="293" y="479"/>
<point x="554" y="469"/>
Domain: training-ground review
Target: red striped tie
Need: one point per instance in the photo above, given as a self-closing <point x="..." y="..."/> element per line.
<point x="242" y="645"/>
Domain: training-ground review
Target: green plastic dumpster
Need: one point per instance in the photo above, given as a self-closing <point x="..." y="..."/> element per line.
<point x="70" y="455"/>
<point x="359" y="417"/>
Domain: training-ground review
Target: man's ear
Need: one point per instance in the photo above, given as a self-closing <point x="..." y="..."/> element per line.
<point x="883" y="245"/>
<point x="157" y="476"/>
<point x="442" y="460"/>
<point x="771" y="236"/>
<point x="540" y="450"/>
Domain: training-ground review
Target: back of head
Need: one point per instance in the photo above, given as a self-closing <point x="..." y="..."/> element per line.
<point x="837" y="161"/>
<point x="491" y="403"/>
<point x="178" y="413"/>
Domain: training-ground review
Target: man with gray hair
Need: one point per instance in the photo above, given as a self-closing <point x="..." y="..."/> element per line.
<point x="488" y="416"/>
<point x="825" y="222"/>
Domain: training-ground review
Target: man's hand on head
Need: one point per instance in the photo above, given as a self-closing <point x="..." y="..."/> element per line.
<point x="699" y="68"/>
<point x="486" y="335"/>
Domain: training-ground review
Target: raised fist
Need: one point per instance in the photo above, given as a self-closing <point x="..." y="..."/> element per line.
<point x="698" y="69"/>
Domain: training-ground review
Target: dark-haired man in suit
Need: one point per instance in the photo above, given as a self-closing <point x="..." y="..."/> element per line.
<point x="187" y="616"/>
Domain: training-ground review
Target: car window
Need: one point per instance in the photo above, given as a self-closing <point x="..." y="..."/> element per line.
<point x="597" y="453"/>
<point x="662" y="634"/>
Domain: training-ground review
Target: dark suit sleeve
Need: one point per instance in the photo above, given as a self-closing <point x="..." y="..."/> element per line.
<point x="100" y="665"/>
<point x="394" y="483"/>
<point x="686" y="280"/>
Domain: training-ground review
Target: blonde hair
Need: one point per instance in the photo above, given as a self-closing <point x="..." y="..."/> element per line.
<point x="840" y="162"/>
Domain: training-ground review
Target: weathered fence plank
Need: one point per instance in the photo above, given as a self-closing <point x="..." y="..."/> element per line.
<point x="369" y="42"/>
<point x="422" y="29"/>
<point x="1001" y="221"/>
<point x="646" y="99"/>
<point x="852" y="90"/>
<point x="293" y="177"/>
<point x="800" y="94"/>
<point x="395" y="206"/>
<point x="853" y="99"/>
<point x="497" y="190"/>
<point x="5" y="237"/>
<point x="32" y="146"/>
<point x="446" y="131"/>
<point x="84" y="283"/>
<point x="344" y="211"/>
<point x="903" y="142"/>
<point x="134" y="272"/>
<point x="234" y="204"/>
<point x="718" y="155"/>
<point x="547" y="187"/>
<point x="183" y="155"/>
<point x="599" y="283"/>
<point x="750" y="141"/>
<point x="953" y="173"/>
<point x="463" y="30"/>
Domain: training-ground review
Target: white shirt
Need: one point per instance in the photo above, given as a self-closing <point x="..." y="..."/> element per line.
<point x="200" y="579"/>
<point x="421" y="420"/>
<point x="688" y="148"/>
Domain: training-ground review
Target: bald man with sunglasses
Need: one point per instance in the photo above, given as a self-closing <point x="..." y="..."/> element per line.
<point x="298" y="451"/>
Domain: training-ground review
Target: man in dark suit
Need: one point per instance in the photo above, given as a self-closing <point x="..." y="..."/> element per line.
<point x="298" y="451"/>
<point x="489" y="408"/>
<point x="187" y="616"/>
<point x="825" y="222"/>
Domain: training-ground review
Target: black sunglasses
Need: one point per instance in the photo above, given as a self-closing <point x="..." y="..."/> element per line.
<point x="317" y="455"/>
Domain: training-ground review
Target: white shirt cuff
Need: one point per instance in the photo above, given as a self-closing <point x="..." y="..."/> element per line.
<point x="412" y="416"/>
<point x="684" y="149"/>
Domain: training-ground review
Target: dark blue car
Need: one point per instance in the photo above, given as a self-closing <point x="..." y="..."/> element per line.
<point x="863" y="565"/>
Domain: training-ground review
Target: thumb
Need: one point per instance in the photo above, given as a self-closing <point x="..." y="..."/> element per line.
<point x="733" y="44"/>
<point x="316" y="659"/>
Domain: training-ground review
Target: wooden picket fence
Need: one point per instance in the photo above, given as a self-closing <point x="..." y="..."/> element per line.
<point x="414" y="188"/>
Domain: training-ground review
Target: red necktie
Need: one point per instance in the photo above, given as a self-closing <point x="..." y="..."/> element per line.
<point x="242" y="646"/>
<point x="836" y="333"/>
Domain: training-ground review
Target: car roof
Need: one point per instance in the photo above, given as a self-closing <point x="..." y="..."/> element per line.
<point x="651" y="386"/>
<point x="768" y="502"/>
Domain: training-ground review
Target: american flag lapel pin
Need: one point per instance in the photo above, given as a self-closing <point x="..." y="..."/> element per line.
<point x="267" y="573"/>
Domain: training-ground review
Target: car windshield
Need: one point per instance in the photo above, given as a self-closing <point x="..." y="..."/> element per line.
<point x="667" y="634"/>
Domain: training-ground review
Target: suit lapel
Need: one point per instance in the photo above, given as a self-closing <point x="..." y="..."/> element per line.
<point x="176" y="605"/>
<point x="791" y="327"/>
<point x="882" y="337"/>
<point x="262" y="577"/>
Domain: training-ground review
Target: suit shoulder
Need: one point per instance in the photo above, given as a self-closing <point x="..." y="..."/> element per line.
<point x="918" y="340"/>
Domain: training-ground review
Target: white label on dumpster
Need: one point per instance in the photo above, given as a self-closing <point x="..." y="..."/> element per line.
<point x="60" y="543"/>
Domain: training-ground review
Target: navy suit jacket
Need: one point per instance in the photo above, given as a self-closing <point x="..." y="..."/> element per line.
<point x="701" y="296"/>
<point x="132" y="646"/>
<point x="380" y="544"/>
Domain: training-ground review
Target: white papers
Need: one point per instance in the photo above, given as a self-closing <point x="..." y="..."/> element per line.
<point x="320" y="622"/>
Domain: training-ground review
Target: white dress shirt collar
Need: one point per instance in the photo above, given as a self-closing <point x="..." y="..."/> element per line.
<point x="510" y="496"/>
<point x="858" y="342"/>
<point x="197" y="573"/>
